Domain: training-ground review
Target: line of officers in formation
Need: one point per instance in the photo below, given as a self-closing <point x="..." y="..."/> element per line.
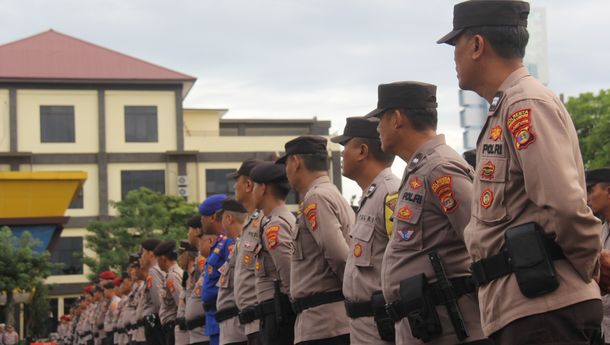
<point x="503" y="249"/>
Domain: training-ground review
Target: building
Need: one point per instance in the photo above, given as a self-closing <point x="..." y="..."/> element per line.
<point x="67" y="104"/>
<point x="473" y="112"/>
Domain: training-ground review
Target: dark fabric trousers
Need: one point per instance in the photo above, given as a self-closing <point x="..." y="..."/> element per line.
<point x="577" y="324"/>
<point x="274" y="333"/>
<point x="201" y="343"/>
<point x="339" y="340"/>
<point x="154" y="335"/>
<point x="170" y="334"/>
<point x="254" y="338"/>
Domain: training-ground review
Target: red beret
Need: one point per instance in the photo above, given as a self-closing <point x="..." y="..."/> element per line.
<point x="107" y="275"/>
<point x="88" y="289"/>
<point x="117" y="281"/>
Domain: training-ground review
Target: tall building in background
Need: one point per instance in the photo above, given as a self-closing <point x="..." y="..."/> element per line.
<point x="474" y="108"/>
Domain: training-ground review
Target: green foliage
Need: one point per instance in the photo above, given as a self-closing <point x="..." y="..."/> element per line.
<point x="142" y="214"/>
<point x="591" y="116"/>
<point x="38" y="311"/>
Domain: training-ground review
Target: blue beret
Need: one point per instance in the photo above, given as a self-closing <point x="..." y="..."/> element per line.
<point x="212" y="204"/>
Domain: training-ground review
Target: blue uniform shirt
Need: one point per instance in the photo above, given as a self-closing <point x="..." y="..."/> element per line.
<point x="219" y="254"/>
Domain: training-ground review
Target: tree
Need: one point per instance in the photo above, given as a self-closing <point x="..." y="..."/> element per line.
<point x="20" y="267"/>
<point x="591" y="116"/>
<point x="142" y="214"/>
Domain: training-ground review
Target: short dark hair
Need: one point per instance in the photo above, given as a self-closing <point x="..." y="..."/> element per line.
<point x="279" y="190"/>
<point x="315" y="161"/>
<point x="421" y="118"/>
<point x="508" y="42"/>
<point x="375" y="150"/>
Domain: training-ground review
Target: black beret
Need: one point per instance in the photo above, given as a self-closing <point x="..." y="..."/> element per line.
<point x="194" y="222"/>
<point x="183" y="245"/>
<point x="269" y="172"/>
<point x="125" y="275"/>
<point x="244" y="169"/>
<point x="601" y="175"/>
<point x="150" y="244"/>
<point x="233" y="205"/>
<point x="134" y="258"/>
<point x="108" y="285"/>
<point x="305" y="144"/>
<point x="486" y="13"/>
<point x="166" y="248"/>
<point x="404" y="95"/>
<point x="358" y="127"/>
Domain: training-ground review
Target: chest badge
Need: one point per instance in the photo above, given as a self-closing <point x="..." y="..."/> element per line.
<point x="415" y="183"/>
<point x="495" y="133"/>
<point x="357" y="250"/>
<point x="406" y="235"/>
<point x="487" y="198"/>
<point x="404" y="213"/>
<point x="246" y="259"/>
<point x="488" y="170"/>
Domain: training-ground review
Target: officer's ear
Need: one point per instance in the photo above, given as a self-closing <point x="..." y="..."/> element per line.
<point x="479" y="45"/>
<point x="364" y="150"/>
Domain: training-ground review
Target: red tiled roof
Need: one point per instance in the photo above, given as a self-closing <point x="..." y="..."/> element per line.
<point x="56" y="56"/>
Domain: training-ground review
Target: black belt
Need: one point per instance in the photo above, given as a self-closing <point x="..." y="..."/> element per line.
<point x="247" y="315"/>
<point x="300" y="304"/>
<point x="169" y="325"/>
<point x="499" y="265"/>
<point x="265" y="308"/>
<point x="122" y="330"/>
<point x="355" y="310"/>
<point x="209" y="305"/>
<point x="226" y="313"/>
<point x="181" y="322"/>
<point x="197" y="322"/>
<point x="100" y="326"/>
<point x="461" y="286"/>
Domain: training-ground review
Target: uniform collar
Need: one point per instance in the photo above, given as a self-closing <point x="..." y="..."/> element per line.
<point x="428" y="147"/>
<point x="509" y="82"/>
<point x="370" y="189"/>
<point x="319" y="180"/>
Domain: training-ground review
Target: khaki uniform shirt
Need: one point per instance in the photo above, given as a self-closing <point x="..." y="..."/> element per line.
<point x="606" y="298"/>
<point x="318" y="261"/>
<point x="124" y="315"/>
<point x="369" y="238"/>
<point x="100" y="316"/>
<point x="138" y="334"/>
<point x="529" y="169"/>
<point x="245" y="294"/>
<point x="182" y="337"/>
<point x="110" y="314"/>
<point x="194" y="305"/>
<point x="431" y="213"/>
<point x="273" y="258"/>
<point x="231" y="331"/>
<point x="170" y="294"/>
<point x="151" y="296"/>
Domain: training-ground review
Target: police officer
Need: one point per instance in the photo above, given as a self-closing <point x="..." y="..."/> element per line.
<point x="365" y="163"/>
<point x="245" y="294"/>
<point x="126" y="313"/>
<point x="135" y="327"/>
<point x="211" y="219"/>
<point x="273" y="253"/>
<point x="529" y="202"/>
<point x="321" y="249"/>
<point x="194" y="312"/>
<point x="151" y="295"/>
<point x="185" y="262"/>
<point x="598" y="198"/>
<point x="431" y="212"/>
<point x="231" y="330"/>
<point x="110" y="314"/>
<point x="166" y="255"/>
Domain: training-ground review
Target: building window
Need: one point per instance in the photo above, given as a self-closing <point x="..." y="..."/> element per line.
<point x="69" y="252"/>
<point x="77" y="201"/>
<point x="141" y="124"/>
<point x="135" y="179"/>
<point x="216" y="182"/>
<point x="56" y="124"/>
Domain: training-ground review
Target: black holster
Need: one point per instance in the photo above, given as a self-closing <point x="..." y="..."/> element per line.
<point x="385" y="324"/>
<point x="531" y="260"/>
<point x="419" y="308"/>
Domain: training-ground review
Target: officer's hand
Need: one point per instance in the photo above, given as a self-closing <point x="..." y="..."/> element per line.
<point x="604" y="268"/>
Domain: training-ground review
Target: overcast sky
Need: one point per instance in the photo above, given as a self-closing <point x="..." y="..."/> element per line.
<point x="305" y="58"/>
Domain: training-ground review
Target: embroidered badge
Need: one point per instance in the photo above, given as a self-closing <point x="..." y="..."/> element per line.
<point x="149" y="282"/>
<point x="404" y="213"/>
<point x="201" y="262"/>
<point x="256" y="223"/>
<point x="495" y="101"/>
<point x="415" y="183"/>
<point x="222" y="280"/>
<point x="357" y="250"/>
<point x="371" y="190"/>
<point x="519" y="124"/>
<point x="231" y="247"/>
<point x="495" y="133"/>
<point x="210" y="269"/>
<point x="487" y="198"/>
<point x="216" y="251"/>
<point x="406" y="234"/>
<point x="312" y="218"/>
<point x="198" y="290"/>
<point x="488" y="170"/>
<point x="271" y="233"/>
<point x="443" y="188"/>
<point x="246" y="259"/>
<point x="257" y="265"/>
<point x="391" y="201"/>
<point x="170" y="286"/>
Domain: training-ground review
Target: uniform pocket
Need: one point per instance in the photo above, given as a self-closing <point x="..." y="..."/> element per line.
<point x="259" y="265"/>
<point x="297" y="252"/>
<point x="490" y="207"/>
<point x="362" y="243"/>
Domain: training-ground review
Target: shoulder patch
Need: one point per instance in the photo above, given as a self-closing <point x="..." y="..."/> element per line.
<point x="231" y="247"/>
<point x="149" y="281"/>
<point x="443" y="188"/>
<point x="312" y="218"/>
<point x="271" y="234"/>
<point x="170" y="286"/>
<point x="519" y="124"/>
